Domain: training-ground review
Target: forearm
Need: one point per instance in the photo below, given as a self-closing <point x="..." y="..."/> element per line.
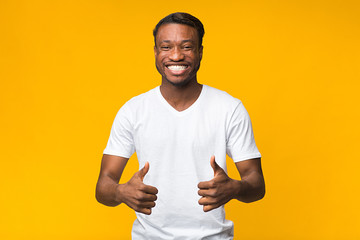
<point x="107" y="192"/>
<point x="250" y="188"/>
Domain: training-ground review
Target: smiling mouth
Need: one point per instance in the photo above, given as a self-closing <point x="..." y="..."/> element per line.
<point x="177" y="67"/>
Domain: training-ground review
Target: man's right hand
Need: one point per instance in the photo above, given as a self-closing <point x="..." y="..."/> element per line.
<point x="136" y="194"/>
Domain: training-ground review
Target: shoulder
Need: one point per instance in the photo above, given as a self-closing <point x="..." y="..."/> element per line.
<point x="221" y="98"/>
<point x="137" y="104"/>
<point x="139" y="100"/>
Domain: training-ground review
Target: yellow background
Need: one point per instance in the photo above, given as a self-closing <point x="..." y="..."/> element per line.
<point x="66" y="67"/>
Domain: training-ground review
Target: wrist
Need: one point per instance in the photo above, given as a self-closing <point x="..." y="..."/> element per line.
<point x="118" y="193"/>
<point x="239" y="187"/>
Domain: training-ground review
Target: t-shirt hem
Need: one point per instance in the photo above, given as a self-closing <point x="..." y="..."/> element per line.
<point x="115" y="153"/>
<point x="247" y="157"/>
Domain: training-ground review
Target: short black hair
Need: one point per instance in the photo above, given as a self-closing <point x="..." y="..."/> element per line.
<point x="182" y="18"/>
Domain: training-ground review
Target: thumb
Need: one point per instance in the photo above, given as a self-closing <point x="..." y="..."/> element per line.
<point x="144" y="170"/>
<point x="215" y="166"/>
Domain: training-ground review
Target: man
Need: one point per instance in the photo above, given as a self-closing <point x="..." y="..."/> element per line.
<point x="181" y="131"/>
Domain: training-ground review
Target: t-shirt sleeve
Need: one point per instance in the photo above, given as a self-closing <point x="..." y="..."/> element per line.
<point x="121" y="142"/>
<point x="240" y="137"/>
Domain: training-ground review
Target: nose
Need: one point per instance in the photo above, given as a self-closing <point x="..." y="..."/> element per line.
<point x="176" y="55"/>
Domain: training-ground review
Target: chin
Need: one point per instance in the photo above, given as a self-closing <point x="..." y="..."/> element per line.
<point x="178" y="83"/>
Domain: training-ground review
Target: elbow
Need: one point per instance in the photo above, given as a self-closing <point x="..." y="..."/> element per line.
<point x="262" y="193"/>
<point x="103" y="197"/>
<point x="257" y="194"/>
<point x="256" y="198"/>
<point x="100" y="198"/>
<point x="98" y="194"/>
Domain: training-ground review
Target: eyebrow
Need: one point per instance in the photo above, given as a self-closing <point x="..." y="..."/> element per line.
<point x="183" y="41"/>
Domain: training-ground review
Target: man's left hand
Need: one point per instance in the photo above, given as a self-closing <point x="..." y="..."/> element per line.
<point x="218" y="190"/>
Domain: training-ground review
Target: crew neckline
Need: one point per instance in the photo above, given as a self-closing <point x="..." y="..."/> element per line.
<point x="189" y="109"/>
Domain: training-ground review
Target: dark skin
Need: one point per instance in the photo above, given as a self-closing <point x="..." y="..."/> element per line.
<point x="133" y="193"/>
<point x="177" y="44"/>
<point x="221" y="189"/>
<point x="178" y="56"/>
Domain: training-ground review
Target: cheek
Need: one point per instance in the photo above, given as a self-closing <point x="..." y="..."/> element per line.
<point x="160" y="58"/>
<point x="193" y="57"/>
<point x="158" y="61"/>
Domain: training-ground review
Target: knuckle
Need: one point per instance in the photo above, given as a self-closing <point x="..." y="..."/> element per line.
<point x="137" y="203"/>
<point x="214" y="193"/>
<point x="141" y="187"/>
<point x="138" y="196"/>
<point x="153" y="198"/>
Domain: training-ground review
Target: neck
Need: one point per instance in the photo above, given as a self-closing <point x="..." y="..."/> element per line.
<point x="180" y="97"/>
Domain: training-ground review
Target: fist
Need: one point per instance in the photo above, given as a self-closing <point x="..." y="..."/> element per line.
<point x="217" y="191"/>
<point x="136" y="194"/>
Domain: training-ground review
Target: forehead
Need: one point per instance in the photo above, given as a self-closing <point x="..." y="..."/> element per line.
<point x="174" y="32"/>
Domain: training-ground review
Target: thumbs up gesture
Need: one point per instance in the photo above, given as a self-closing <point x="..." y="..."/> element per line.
<point x="217" y="191"/>
<point x="136" y="194"/>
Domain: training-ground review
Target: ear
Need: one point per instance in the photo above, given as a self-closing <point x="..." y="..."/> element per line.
<point x="201" y="52"/>
<point x="155" y="51"/>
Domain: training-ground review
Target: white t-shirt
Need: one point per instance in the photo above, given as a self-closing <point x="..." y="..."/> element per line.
<point x="178" y="147"/>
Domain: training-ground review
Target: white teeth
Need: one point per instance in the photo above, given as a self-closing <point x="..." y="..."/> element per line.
<point x="177" y="67"/>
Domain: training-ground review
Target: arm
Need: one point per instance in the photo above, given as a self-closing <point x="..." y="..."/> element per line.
<point x="111" y="170"/>
<point x="221" y="188"/>
<point x="252" y="185"/>
<point x="134" y="193"/>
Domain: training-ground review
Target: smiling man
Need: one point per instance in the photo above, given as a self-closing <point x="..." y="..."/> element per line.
<point x="181" y="132"/>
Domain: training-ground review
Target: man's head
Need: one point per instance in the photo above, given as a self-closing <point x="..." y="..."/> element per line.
<point x="178" y="48"/>
<point x="182" y="18"/>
